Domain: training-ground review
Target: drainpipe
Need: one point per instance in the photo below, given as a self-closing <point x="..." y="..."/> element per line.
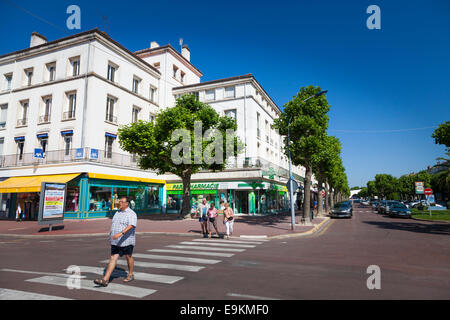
<point x="83" y="124"/>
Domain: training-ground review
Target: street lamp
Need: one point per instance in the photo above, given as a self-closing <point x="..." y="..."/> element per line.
<point x="291" y="178"/>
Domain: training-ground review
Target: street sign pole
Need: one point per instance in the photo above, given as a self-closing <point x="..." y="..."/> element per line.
<point x="291" y="191"/>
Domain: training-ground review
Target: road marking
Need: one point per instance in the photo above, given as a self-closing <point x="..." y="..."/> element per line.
<point x="226" y="241"/>
<point x="220" y="244"/>
<point x="9" y="294"/>
<point x="259" y="238"/>
<point x="205" y="248"/>
<point x="16" y="229"/>
<point x="326" y="228"/>
<point x="179" y="267"/>
<point x="42" y="273"/>
<point x="172" y="258"/>
<point x="112" y="288"/>
<point x="160" y="278"/>
<point x="47" y="241"/>
<point x="214" y="254"/>
<point x="245" y="296"/>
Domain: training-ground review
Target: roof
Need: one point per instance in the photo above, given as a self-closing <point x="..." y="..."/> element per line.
<point x="246" y="76"/>
<point x="168" y="47"/>
<point x="85" y="33"/>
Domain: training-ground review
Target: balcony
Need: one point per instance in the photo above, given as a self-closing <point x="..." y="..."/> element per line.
<point x="22" y="122"/>
<point x="70" y="115"/>
<point x="44" y="119"/>
<point x="70" y="156"/>
<point x="111" y="118"/>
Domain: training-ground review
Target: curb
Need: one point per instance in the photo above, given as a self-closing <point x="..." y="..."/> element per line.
<point x="443" y="221"/>
<point x="302" y="234"/>
<point x="48" y="236"/>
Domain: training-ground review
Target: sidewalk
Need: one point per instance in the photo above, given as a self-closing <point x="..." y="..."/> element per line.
<point x="266" y="226"/>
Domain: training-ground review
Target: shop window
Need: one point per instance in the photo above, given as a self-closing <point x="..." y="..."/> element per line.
<point x="72" y="198"/>
<point x="153" y="197"/>
<point x="100" y="198"/>
<point x="118" y="193"/>
<point x="137" y="198"/>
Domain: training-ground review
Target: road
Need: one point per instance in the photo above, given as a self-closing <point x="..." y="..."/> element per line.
<point x="413" y="257"/>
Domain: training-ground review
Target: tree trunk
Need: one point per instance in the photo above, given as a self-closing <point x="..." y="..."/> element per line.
<point x="186" y="206"/>
<point x="319" y="197"/>
<point x="307" y="201"/>
<point x="327" y="199"/>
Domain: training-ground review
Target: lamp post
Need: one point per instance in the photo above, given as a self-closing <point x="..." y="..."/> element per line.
<point x="291" y="178"/>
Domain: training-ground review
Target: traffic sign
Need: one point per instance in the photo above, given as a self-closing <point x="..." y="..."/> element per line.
<point x="294" y="184"/>
<point x="419" y="187"/>
<point x="323" y="193"/>
<point x="428" y="191"/>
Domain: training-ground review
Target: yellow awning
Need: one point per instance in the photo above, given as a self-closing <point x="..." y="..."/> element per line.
<point x="123" y="178"/>
<point x="33" y="184"/>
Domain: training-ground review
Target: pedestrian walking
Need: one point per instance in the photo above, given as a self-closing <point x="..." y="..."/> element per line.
<point x="203" y="219"/>
<point x="123" y="240"/>
<point x="18" y="213"/>
<point x="212" y="219"/>
<point x="228" y="220"/>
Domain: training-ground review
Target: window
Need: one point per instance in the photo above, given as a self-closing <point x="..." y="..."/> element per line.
<point x="8" y="81"/>
<point x="182" y="76"/>
<point x="75" y="63"/>
<point x="135" y="114"/>
<point x="3" y="115"/>
<point x="45" y="115"/>
<point x="24" y="109"/>
<point x="110" y="106"/>
<point x="2" y="142"/>
<point x="43" y="143"/>
<point x="231" y="113"/>
<point x="267" y="131"/>
<point x="20" y="148"/>
<point x="108" y="147"/>
<point x="152" y="118"/>
<point x="136" y="82"/>
<point x="29" y="76"/>
<point x="210" y="95"/>
<point x="51" y="71"/>
<point x="71" y="107"/>
<point x="67" y="144"/>
<point x="111" y="72"/>
<point x="230" y="92"/>
<point x="258" y="130"/>
<point x="175" y="69"/>
<point x="152" y="94"/>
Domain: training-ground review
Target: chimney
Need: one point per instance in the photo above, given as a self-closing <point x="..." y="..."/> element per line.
<point x="186" y="53"/>
<point x="37" y="39"/>
<point x="154" y="45"/>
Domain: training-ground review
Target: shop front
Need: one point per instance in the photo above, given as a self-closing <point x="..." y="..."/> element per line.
<point x="89" y="195"/>
<point x="254" y="197"/>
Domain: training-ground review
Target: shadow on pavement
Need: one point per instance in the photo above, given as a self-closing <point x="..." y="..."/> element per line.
<point x="434" y="228"/>
<point x="55" y="228"/>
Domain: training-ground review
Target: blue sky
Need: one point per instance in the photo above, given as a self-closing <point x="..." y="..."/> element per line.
<point x="378" y="80"/>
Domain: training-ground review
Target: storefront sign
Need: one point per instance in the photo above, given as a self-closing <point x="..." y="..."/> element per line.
<point x="94" y="154"/>
<point x="51" y="205"/>
<point x="419" y="187"/>
<point x="79" y="153"/>
<point x="194" y="186"/>
<point x="38" y="154"/>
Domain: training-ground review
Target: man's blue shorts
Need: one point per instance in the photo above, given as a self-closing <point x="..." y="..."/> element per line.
<point x="121" y="251"/>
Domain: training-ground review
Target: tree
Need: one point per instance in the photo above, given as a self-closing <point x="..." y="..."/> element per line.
<point x="308" y="122"/>
<point x="171" y="144"/>
<point x="442" y="134"/>
<point x="372" y="189"/>
<point x="364" y="193"/>
<point x="385" y="184"/>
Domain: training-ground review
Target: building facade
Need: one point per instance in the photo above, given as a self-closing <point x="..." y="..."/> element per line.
<point x="62" y="103"/>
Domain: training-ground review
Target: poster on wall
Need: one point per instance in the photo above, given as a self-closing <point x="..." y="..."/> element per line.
<point x="52" y="203"/>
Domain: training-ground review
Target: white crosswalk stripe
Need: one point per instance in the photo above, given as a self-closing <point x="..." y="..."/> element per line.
<point x="39" y="273"/>
<point x="226" y="241"/>
<point x="198" y="247"/>
<point x="173" y="258"/>
<point x="160" y="278"/>
<point x="213" y="244"/>
<point x="179" y="267"/>
<point x="200" y="253"/>
<point x="9" y="294"/>
<point x="112" y="288"/>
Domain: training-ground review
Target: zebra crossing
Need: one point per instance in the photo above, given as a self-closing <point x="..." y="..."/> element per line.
<point x="195" y="255"/>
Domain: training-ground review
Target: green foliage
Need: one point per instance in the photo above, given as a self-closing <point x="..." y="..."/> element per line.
<point x="442" y="134"/>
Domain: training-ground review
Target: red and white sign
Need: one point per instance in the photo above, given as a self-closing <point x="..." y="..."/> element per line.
<point x="428" y="191"/>
<point x="323" y="193"/>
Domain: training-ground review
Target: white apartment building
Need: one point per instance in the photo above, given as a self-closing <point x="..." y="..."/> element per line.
<point x="68" y="98"/>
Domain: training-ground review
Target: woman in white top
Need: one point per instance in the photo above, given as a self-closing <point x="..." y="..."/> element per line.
<point x="228" y="219"/>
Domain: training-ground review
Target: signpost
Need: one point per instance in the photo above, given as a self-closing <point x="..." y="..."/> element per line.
<point x="430" y="198"/>
<point x="52" y="203"/>
<point x="38" y="154"/>
<point x="419" y="187"/>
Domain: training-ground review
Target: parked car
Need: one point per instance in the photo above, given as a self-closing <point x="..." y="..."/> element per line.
<point x="374" y="205"/>
<point x="380" y="207"/>
<point x="365" y="203"/>
<point x="398" y="209"/>
<point x="342" y="210"/>
<point x="387" y="204"/>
